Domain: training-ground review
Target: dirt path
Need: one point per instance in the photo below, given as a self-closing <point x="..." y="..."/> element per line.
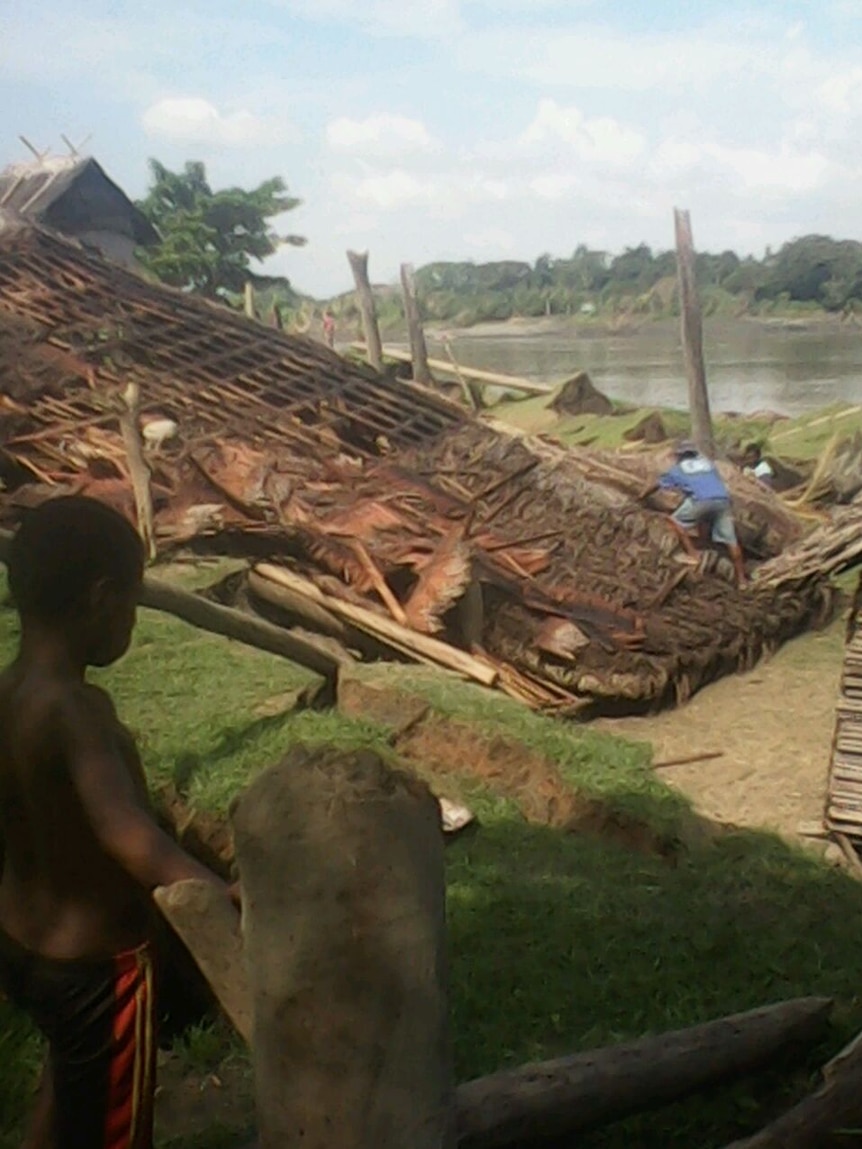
<point x="774" y="726"/>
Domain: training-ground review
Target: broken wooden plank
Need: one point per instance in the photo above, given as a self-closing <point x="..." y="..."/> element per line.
<point x="688" y="759"/>
<point x="421" y="647"/>
<point x="208" y="924"/>
<point x="474" y="374"/>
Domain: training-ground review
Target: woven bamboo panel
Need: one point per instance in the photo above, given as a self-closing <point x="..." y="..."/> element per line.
<point x="844" y="790"/>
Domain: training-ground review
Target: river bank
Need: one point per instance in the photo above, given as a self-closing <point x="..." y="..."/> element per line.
<point x="793" y="367"/>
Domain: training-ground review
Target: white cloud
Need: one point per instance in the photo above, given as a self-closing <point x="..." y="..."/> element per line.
<point x="192" y="119"/>
<point x="388" y="191"/>
<point x="426" y="19"/>
<point x="602" y="140"/>
<point x="379" y="136"/>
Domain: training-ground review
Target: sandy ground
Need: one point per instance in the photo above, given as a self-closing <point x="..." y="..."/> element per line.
<point x="773" y="727"/>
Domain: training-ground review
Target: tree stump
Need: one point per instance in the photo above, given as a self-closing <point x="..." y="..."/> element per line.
<point x="341" y="864"/>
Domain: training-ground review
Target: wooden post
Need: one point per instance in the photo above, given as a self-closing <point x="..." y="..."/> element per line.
<point x="138" y="470"/>
<point x="248" y="300"/>
<point x="418" y="349"/>
<point x="341" y="867"/>
<point x="692" y="336"/>
<point x="365" y="298"/>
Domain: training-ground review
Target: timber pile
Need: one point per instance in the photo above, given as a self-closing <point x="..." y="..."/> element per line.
<point x="410" y="528"/>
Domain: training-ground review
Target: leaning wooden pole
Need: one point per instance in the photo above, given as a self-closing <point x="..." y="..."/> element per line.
<point x="341" y="868"/>
<point x="418" y="348"/>
<point x="365" y="298"/>
<point x="692" y="335"/>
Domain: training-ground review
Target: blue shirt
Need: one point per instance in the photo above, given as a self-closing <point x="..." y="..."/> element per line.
<point x="696" y="477"/>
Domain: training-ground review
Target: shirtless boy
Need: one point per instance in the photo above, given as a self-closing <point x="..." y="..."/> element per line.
<point x="81" y="851"/>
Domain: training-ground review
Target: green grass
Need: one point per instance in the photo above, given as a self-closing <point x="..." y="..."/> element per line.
<point x="802" y="438"/>
<point x="559" y="941"/>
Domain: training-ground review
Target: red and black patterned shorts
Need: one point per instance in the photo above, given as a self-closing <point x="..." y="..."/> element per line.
<point x="98" y="1016"/>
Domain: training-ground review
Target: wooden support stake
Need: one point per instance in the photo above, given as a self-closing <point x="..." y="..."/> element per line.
<point x="341" y="867"/>
<point x="138" y="469"/>
<point x="692" y="336"/>
<point x="418" y="349"/>
<point x="248" y="300"/>
<point x="365" y="298"/>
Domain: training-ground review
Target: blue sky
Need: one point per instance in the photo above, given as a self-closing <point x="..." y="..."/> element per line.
<point x="463" y="129"/>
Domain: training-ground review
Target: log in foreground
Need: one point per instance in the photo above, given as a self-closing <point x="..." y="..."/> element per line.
<point x="587" y="1090"/>
<point x="341" y="866"/>
<point x="823" y="1120"/>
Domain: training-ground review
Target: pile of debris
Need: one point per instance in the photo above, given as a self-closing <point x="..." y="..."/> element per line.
<point x="407" y="525"/>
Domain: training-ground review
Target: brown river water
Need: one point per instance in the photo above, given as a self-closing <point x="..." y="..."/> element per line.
<point x="791" y="368"/>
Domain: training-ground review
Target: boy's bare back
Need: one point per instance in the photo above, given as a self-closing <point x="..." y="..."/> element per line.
<point x="65" y="760"/>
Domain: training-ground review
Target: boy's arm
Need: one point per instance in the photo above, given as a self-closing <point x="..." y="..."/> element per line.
<point x="123" y="827"/>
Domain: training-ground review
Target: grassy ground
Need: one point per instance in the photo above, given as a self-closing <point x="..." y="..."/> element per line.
<point x="801" y="438"/>
<point x="559" y="941"/>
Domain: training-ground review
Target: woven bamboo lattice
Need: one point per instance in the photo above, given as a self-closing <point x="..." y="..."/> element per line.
<point x="208" y="367"/>
<point x="844" y="789"/>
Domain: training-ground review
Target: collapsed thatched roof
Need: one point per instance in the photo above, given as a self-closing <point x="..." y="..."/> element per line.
<point x="381" y="491"/>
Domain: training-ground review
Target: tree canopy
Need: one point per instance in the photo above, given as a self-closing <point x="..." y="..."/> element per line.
<point x="812" y="271"/>
<point x="209" y="238"/>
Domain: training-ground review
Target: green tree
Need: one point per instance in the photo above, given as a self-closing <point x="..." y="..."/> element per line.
<point x="209" y="238"/>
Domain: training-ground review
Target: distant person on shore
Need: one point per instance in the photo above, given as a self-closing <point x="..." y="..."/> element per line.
<point x="753" y="463"/>
<point x="81" y="852"/>
<point x="705" y="507"/>
<point x="329" y="329"/>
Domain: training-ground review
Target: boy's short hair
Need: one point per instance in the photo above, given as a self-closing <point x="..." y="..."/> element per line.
<point x="63" y="548"/>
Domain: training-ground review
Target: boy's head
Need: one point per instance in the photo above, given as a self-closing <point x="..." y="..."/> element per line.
<point x="75" y="566"/>
<point x="752" y="455"/>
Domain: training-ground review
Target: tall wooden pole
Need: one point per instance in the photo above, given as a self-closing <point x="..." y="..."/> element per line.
<point x="365" y="298"/>
<point x="418" y="349"/>
<point x="341" y="868"/>
<point x="692" y="336"/>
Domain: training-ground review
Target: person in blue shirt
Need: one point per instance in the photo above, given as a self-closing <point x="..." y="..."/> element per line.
<point x="705" y="505"/>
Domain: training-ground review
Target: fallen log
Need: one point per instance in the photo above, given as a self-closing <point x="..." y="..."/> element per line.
<point x="831" y="1118"/>
<point x="208" y="925"/>
<point x="587" y="1090"/>
<point x="159" y="595"/>
<point x="419" y="647"/>
<point x="230" y="623"/>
